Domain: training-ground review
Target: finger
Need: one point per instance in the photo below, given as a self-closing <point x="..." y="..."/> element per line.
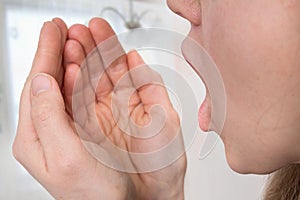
<point x="93" y="61"/>
<point x="112" y="53"/>
<point x="63" y="29"/>
<point x="71" y="74"/>
<point x="64" y="32"/>
<point x="83" y="91"/>
<point x="149" y="83"/>
<point x="74" y="55"/>
<point x="50" y="119"/>
<point x="82" y="34"/>
<point x="49" y="54"/>
<point x="27" y="148"/>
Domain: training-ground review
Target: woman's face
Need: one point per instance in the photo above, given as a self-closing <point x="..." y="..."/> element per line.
<point x="256" y="46"/>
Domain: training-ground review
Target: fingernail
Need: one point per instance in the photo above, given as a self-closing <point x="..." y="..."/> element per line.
<point x="39" y="84"/>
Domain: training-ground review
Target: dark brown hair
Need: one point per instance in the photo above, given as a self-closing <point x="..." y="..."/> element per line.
<point x="284" y="184"/>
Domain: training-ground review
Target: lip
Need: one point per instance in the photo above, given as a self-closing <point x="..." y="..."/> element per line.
<point x="204" y="113"/>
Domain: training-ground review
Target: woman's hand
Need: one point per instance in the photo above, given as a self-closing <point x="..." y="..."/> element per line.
<point x="46" y="144"/>
<point x="50" y="148"/>
<point x="124" y="98"/>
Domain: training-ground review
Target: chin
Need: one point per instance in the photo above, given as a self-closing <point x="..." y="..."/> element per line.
<point x="246" y="165"/>
<point x="237" y="166"/>
<point x="243" y="166"/>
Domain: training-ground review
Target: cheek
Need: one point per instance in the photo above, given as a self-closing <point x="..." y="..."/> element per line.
<point x="228" y="38"/>
<point x="250" y="55"/>
<point x="253" y="58"/>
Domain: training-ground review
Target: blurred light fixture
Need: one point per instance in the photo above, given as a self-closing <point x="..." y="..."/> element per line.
<point x="134" y="19"/>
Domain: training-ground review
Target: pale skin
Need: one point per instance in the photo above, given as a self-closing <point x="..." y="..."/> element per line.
<point x="256" y="46"/>
<point x="253" y="59"/>
<point x="55" y="156"/>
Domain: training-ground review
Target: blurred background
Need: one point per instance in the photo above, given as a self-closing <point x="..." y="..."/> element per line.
<point x="21" y="20"/>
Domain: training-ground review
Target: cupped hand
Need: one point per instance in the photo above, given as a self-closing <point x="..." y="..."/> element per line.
<point x="128" y="101"/>
<point x="53" y="147"/>
<point x="46" y="143"/>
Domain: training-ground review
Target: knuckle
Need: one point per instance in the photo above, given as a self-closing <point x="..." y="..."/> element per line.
<point x="157" y="77"/>
<point x="68" y="165"/>
<point x="42" y="112"/>
<point x="16" y="151"/>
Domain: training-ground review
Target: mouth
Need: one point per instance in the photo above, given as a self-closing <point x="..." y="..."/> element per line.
<point x="205" y="110"/>
<point x="212" y="112"/>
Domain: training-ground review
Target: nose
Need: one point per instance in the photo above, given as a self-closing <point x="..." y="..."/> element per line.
<point x="188" y="9"/>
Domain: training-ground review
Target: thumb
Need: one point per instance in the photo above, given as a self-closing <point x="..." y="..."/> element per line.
<point x="49" y="117"/>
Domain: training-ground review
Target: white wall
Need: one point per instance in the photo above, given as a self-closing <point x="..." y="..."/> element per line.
<point x="1" y="67"/>
<point x="4" y="92"/>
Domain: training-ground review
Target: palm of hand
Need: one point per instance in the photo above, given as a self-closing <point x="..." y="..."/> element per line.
<point x="121" y="109"/>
